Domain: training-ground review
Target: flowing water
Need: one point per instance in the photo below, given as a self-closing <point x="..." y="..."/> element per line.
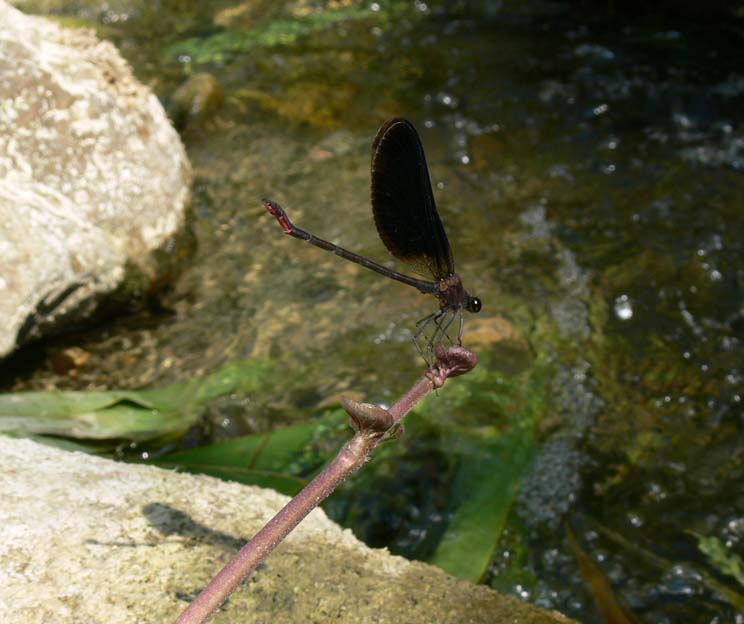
<point x="589" y="169"/>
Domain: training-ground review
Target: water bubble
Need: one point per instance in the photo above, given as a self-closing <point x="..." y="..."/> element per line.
<point x="735" y="528"/>
<point x="635" y="520"/>
<point x="689" y="319"/>
<point x="109" y="17"/>
<point x="449" y="100"/>
<point x="682" y="580"/>
<point x="623" y="308"/>
<point x="656" y="492"/>
<point x="522" y="592"/>
<point x="600" y="110"/>
<point x="594" y="52"/>
<point x="683" y="121"/>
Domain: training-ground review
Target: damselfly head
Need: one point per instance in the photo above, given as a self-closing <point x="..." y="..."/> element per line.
<point x="473" y="304"/>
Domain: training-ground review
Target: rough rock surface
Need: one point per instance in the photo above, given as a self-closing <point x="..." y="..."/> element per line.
<point x="94" y="181"/>
<point x="89" y="540"/>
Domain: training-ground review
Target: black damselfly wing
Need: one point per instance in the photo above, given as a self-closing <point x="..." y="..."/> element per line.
<point x="403" y="204"/>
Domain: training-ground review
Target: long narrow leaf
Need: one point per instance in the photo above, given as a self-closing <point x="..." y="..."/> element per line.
<point x="490" y="468"/>
<point x="278" y="459"/>
<point x="134" y="415"/>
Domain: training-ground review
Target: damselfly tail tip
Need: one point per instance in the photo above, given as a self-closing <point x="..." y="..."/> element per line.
<point x="278" y="213"/>
<point x="271" y="206"/>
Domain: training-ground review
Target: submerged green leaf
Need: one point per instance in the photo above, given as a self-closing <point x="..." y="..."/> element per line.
<point x="277" y="459"/>
<point x="491" y="462"/>
<point x="278" y="32"/>
<point x="490" y="468"/>
<point x="129" y="414"/>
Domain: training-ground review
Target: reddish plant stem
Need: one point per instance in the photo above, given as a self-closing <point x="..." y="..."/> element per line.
<point x="371" y="423"/>
<point x="206" y="603"/>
